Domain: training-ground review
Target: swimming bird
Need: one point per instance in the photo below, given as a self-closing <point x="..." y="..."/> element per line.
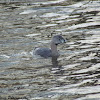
<point x="47" y="52"/>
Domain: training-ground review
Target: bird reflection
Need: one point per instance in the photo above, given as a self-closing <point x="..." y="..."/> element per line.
<point x="55" y="61"/>
<point x="55" y="64"/>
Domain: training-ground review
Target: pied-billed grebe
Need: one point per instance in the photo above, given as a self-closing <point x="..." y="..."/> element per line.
<point x="46" y="52"/>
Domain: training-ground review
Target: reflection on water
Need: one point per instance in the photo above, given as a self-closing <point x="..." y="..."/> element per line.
<point x="74" y="75"/>
<point x="54" y="61"/>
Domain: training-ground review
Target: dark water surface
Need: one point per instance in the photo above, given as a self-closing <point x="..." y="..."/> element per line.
<point x="75" y="75"/>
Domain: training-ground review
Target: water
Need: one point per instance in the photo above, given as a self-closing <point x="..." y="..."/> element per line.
<point x="72" y="76"/>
